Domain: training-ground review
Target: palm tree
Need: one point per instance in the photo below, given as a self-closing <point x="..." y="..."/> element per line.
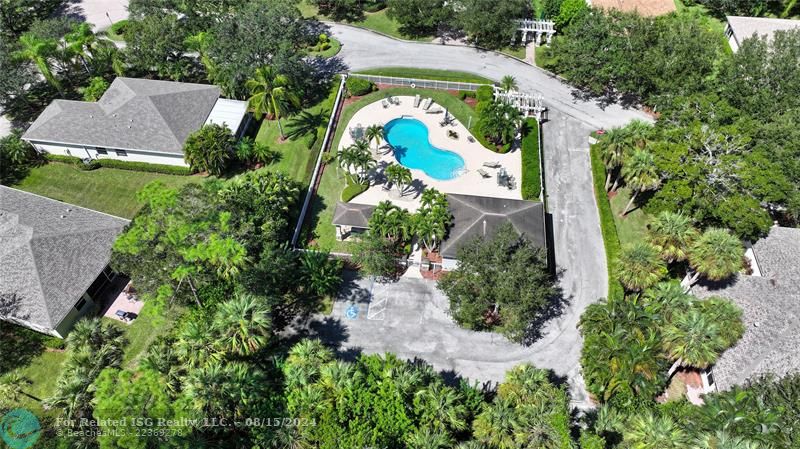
<point x="724" y="440"/>
<point x="194" y="346"/>
<point x="693" y="340"/>
<point x="613" y="148"/>
<point x="496" y="425"/>
<point x="305" y="361"/>
<point x="271" y="93"/>
<point x="444" y="406"/>
<point x="640" y="266"/>
<point x="39" y="50"/>
<point x="399" y="175"/>
<point x="648" y="432"/>
<point x="321" y="274"/>
<point x="716" y="255"/>
<point x="12" y="385"/>
<point x="427" y="439"/>
<point x="362" y="160"/>
<point x="508" y="83"/>
<point x="673" y="234"/>
<point x="79" y="42"/>
<point x="640" y="174"/>
<point x="433" y="198"/>
<point x="374" y="133"/>
<point x="242" y="325"/>
<point x="390" y="221"/>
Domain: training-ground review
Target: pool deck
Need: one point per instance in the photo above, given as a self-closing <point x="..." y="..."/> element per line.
<point x="473" y="153"/>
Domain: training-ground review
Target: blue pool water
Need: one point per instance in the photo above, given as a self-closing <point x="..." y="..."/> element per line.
<point x="412" y="148"/>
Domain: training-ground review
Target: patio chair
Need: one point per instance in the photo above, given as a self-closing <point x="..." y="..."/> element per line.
<point x="417" y="100"/>
<point x="427" y="103"/>
<point x="492" y="164"/>
<point x="484" y="173"/>
<point x="387" y="186"/>
<point x="470" y="139"/>
<point x="384" y="103"/>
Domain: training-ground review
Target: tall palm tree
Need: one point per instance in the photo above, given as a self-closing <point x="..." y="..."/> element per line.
<point x="692" y="340"/>
<point x="508" y="83"/>
<point x="640" y="266"/>
<point x="399" y="176"/>
<point x="390" y="221"/>
<point x="79" y="42"/>
<point x="39" y="51"/>
<point x="433" y="198"/>
<point x="640" y="174"/>
<point x="428" y="439"/>
<point x="673" y="234"/>
<point x="613" y="149"/>
<point x="271" y="93"/>
<point x="374" y="133"/>
<point x="195" y="346"/>
<point x="305" y="361"/>
<point x="12" y="386"/>
<point x="646" y="431"/>
<point x="496" y="425"/>
<point x="715" y="255"/>
<point x="242" y="325"/>
<point x="444" y="406"/>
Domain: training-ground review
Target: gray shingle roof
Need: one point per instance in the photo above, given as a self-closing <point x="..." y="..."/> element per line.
<point x="745" y="27"/>
<point x="771" y="312"/>
<point x="133" y="114"/>
<point x="50" y="253"/>
<point x="475" y="216"/>
<point x="352" y="214"/>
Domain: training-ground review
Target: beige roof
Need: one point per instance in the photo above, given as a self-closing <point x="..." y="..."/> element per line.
<point x="744" y="27"/>
<point x="644" y="7"/>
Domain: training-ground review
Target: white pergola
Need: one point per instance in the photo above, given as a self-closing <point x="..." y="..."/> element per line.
<point x="528" y="104"/>
<point x="535" y="30"/>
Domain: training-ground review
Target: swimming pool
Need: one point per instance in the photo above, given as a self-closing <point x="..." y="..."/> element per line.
<point x="413" y="149"/>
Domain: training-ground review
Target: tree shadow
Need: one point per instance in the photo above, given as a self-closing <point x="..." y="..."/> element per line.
<point x="553" y="308"/>
<point x="20" y="344"/>
<point x="313" y="214"/>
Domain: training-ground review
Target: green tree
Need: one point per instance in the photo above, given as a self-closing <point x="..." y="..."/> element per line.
<point x="16" y="157"/>
<point x="673" y="234"/>
<point x="399" y="176"/>
<point x="640" y="174"/>
<point x="420" y="18"/>
<point x="16" y="16"/>
<point x="646" y="431"/>
<point x="156" y="42"/>
<point x="96" y="88"/>
<point x="508" y="83"/>
<point x="271" y="93"/>
<point x="640" y="266"/>
<point x="613" y="148"/>
<point x="432" y="219"/>
<point x="715" y="255"/>
<point x="12" y="386"/>
<point x="483" y="299"/>
<point x="375" y="255"/>
<point x="321" y="274"/>
<point x="491" y="24"/>
<point x="568" y="12"/>
<point x="374" y="133"/>
<point x="39" y="51"/>
<point x="499" y="122"/>
<point x="209" y="149"/>
<point x="391" y="222"/>
<point x="242" y="325"/>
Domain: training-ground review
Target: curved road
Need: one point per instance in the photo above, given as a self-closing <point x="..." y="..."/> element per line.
<point x="578" y="243"/>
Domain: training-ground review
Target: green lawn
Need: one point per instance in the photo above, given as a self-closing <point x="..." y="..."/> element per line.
<point x="319" y="230"/>
<point x="440" y="75"/>
<point x="296" y="158"/>
<point x="517" y="52"/>
<point x="152" y="322"/>
<point x="631" y="228"/>
<point x="108" y="190"/>
<point x="376" y="21"/>
<point x="336" y="46"/>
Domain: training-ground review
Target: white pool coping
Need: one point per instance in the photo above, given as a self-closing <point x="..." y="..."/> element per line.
<point x="473" y="153"/>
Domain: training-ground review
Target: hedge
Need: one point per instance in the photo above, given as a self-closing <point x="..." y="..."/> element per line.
<point x="121" y="165"/>
<point x="531" y="173"/>
<point x="119" y="27"/>
<point x="484" y="93"/>
<point x="359" y="86"/>
<point x="146" y="167"/>
<point x="353" y="189"/>
<point x="607" y="225"/>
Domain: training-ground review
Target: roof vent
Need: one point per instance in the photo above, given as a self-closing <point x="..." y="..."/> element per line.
<point x="484" y="228"/>
<point x="63" y="216"/>
<point x="91" y="115"/>
<point x="129" y="126"/>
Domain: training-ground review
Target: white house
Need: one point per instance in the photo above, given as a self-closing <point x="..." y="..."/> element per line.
<point x="136" y="120"/>
<point x="53" y="260"/>
<point x="740" y="28"/>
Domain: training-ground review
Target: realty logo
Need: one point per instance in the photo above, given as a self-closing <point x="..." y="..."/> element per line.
<point x="20" y="428"/>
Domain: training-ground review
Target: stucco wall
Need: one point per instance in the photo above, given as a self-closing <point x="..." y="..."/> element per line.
<point x="90" y="152"/>
<point x="74" y="314"/>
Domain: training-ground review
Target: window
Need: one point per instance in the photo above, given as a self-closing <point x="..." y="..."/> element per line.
<point x="122" y="153"/>
<point x="80" y="304"/>
<point x="101" y="151"/>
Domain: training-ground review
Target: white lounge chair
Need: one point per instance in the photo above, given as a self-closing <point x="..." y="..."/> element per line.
<point x="484" y="173"/>
<point x="417" y="100"/>
<point x="427" y="103"/>
<point x="492" y="164"/>
<point x="385" y="103"/>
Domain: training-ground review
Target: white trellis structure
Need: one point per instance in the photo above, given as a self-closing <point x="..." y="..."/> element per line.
<point x="528" y="104"/>
<point x="536" y="30"/>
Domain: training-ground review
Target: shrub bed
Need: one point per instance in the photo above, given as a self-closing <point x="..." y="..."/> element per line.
<point x="353" y="189"/>
<point x="607" y="225"/>
<point x="119" y="28"/>
<point x="358" y="86"/>
<point x="122" y="165"/>
<point x="531" y="174"/>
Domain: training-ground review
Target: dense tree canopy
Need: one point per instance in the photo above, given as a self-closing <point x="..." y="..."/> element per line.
<point x="501" y="283"/>
<point x="487" y="22"/>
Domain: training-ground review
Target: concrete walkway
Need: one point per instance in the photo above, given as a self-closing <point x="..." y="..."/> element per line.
<point x="363" y="49"/>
